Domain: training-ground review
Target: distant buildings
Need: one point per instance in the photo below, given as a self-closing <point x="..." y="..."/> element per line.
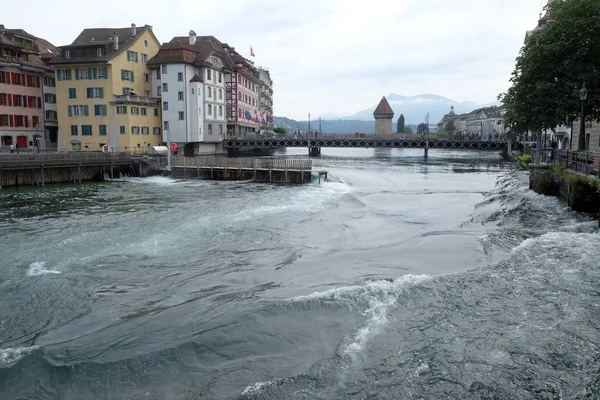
<point x="488" y="122"/>
<point x="265" y="97"/>
<point x="103" y="90"/>
<point x="27" y="95"/>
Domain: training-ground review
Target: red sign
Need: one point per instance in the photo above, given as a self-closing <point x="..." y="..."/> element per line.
<point x="173" y="146"/>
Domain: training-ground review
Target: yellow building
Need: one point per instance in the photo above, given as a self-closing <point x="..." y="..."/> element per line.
<point x="103" y="90"/>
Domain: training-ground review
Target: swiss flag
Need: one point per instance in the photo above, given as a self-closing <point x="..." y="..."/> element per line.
<point x="252" y="52"/>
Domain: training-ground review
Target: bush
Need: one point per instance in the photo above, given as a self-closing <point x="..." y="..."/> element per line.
<point x="525" y="158"/>
<point x="279" y="130"/>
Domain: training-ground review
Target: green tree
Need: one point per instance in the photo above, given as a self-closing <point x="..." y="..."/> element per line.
<point x="408" y="130"/>
<point x="400" y="127"/>
<point x="562" y="54"/>
<point x="279" y="130"/>
<point x="450" y="127"/>
<point x="422" y="128"/>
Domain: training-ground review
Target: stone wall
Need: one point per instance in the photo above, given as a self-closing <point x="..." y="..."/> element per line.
<point x="383" y="126"/>
<point x="592" y="129"/>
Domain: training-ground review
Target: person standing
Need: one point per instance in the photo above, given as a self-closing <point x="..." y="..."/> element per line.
<point x="12" y="148"/>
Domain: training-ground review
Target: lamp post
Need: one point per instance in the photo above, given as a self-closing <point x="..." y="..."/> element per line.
<point x="308" y="125"/>
<point x="583" y="93"/>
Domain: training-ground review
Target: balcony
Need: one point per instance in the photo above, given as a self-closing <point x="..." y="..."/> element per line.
<point x="140" y="100"/>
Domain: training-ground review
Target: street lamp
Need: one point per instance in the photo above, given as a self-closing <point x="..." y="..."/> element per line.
<point x="583" y="93"/>
<point x="308" y="125"/>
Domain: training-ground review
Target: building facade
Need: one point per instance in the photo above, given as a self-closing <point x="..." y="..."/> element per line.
<point x="189" y="78"/>
<point x="103" y="91"/>
<point x="265" y="98"/>
<point x="23" y="72"/>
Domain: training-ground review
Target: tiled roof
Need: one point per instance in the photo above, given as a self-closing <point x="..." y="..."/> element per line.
<point x="179" y="50"/>
<point x="100" y="37"/>
<point x="30" y="57"/>
<point x="196" y="78"/>
<point x="384" y="108"/>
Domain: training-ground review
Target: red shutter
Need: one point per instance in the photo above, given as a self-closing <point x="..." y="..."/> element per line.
<point x="15" y="100"/>
<point x="26" y="121"/>
<point x="10" y="99"/>
<point x="37" y="81"/>
<point x="8" y="80"/>
<point x="23" y="79"/>
<point x="39" y="102"/>
<point x="12" y="120"/>
<point x="24" y="101"/>
<point x="13" y="78"/>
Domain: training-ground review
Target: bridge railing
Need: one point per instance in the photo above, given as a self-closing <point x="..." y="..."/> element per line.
<point x="368" y="136"/>
<point x="242" y="163"/>
<point x="61" y="158"/>
<point x="585" y="162"/>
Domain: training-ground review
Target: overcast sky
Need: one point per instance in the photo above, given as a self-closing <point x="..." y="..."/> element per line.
<point x="328" y="56"/>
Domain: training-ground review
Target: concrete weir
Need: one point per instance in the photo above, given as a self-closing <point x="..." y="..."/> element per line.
<point x="255" y="169"/>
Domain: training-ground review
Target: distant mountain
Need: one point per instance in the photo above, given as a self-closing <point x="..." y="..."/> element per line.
<point x="330" y="126"/>
<point x="415" y="108"/>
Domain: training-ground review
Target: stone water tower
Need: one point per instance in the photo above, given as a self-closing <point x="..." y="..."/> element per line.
<point x="383" y="118"/>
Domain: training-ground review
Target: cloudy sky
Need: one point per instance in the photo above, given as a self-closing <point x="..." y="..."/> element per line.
<point x="328" y="56"/>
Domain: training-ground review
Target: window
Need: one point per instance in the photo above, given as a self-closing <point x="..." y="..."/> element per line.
<point x="180" y="95"/>
<point x="144" y="58"/>
<point x="135" y="110"/>
<point x="145" y="130"/>
<point x="17" y="80"/>
<point x="220" y="111"/>
<point x="165" y="106"/>
<point x="146" y="93"/>
<point x="102" y="73"/>
<point x="158" y="91"/>
<point x="143" y="110"/>
<point x="210" y="129"/>
<point x="86" y="130"/>
<point x="156" y="112"/>
<point x="100" y="110"/>
<point x="181" y="117"/>
<point x="166" y="125"/>
<point x="4" y="120"/>
<point x="209" y="93"/>
<point x="145" y="43"/>
<point x="127" y="91"/>
<point x="135" y="130"/>
<point x="51" y="115"/>
<point x="220" y="77"/>
<point x="3" y="78"/>
<point x="78" y="111"/>
<point x="95" y="93"/>
<point x="121" y="109"/>
<point x="20" y="120"/>
<point x="82" y="74"/>
<point x="35" y="121"/>
<point x="156" y="131"/>
<point x="126" y="75"/>
<point x="158" y="74"/>
<point x="220" y="94"/>
<point x="3" y="99"/>
<point x="48" y="98"/>
<point x="72" y="93"/>
<point x="132" y="56"/>
<point x="99" y="52"/>
<point x="164" y="69"/>
<point x="75" y="145"/>
<point x="210" y="109"/>
<point x="180" y="77"/>
<point x="67" y="54"/>
<point x="102" y="130"/>
<point x="165" y="87"/>
<point x="65" y="75"/>
<point x="208" y="74"/>
<point x="74" y="130"/>
<point x="146" y="77"/>
<point x="192" y="90"/>
<point x="221" y="130"/>
<point x="122" y="129"/>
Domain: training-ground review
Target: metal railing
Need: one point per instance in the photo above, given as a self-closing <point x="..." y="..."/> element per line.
<point x="62" y="158"/>
<point x="242" y="163"/>
<point x="584" y="162"/>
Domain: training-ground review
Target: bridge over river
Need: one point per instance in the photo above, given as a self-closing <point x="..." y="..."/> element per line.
<point x="314" y="145"/>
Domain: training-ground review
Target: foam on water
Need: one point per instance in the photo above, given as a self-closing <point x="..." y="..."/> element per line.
<point x="38" y="268"/>
<point x="10" y="356"/>
<point x="257" y="387"/>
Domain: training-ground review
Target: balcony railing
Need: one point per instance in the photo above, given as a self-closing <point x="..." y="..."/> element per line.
<point x="129" y="99"/>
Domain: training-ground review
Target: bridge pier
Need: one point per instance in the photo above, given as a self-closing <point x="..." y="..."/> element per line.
<point x="314" y="151"/>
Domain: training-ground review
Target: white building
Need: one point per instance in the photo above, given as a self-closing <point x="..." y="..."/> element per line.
<point x="265" y="108"/>
<point x="189" y="79"/>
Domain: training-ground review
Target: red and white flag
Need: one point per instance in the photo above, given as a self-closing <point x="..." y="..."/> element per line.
<point x="252" y="52"/>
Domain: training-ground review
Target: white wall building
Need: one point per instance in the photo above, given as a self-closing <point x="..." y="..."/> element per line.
<point x="189" y="79"/>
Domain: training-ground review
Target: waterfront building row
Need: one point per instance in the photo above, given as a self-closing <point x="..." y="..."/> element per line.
<point x="120" y="89"/>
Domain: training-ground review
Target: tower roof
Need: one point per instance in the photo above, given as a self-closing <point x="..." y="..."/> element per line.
<point x="383" y="110"/>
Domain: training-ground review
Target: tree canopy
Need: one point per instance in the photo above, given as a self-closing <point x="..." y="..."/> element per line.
<point x="559" y="56"/>
<point x="408" y="130"/>
<point x="422" y="128"/>
<point x="400" y="127"/>
<point x="450" y="127"/>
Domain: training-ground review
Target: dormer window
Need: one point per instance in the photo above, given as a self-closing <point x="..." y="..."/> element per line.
<point x="67" y="55"/>
<point x="99" y="52"/>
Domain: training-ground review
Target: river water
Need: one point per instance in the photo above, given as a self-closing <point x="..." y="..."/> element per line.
<point x="398" y="279"/>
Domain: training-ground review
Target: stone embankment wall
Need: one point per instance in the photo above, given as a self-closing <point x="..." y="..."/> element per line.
<point x="579" y="196"/>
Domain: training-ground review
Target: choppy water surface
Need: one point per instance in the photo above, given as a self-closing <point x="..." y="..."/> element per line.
<point x="399" y="279"/>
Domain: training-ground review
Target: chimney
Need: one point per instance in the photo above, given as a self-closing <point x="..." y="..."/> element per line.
<point x="116" y="40"/>
<point x="132" y="29"/>
<point x="192" y="37"/>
